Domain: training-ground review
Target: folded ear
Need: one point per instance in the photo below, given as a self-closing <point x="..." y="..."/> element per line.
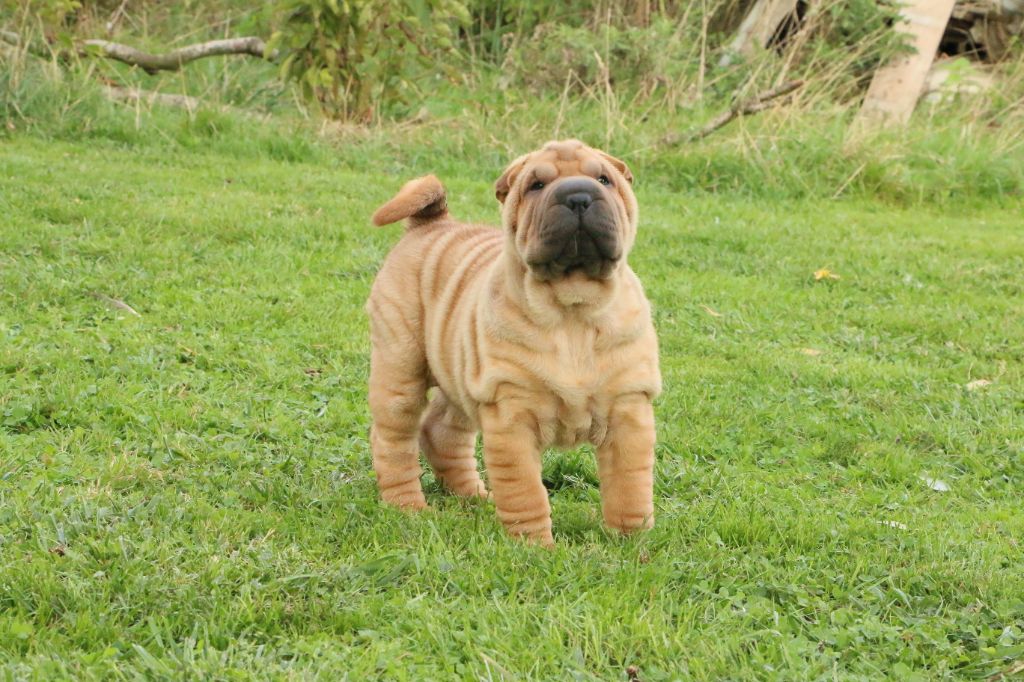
<point x="619" y="165"/>
<point x="504" y="184"/>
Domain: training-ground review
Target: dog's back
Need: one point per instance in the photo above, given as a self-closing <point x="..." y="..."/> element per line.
<point x="427" y="286"/>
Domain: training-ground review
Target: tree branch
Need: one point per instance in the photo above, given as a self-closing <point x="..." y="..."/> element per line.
<point x="175" y="59"/>
<point x="15" y="40"/>
<point x="760" y="102"/>
<point x="132" y="95"/>
<point x="151" y="63"/>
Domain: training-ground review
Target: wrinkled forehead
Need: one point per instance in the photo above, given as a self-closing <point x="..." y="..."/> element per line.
<point x="565" y="159"/>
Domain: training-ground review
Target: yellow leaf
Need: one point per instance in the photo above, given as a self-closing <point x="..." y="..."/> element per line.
<point x="810" y="351"/>
<point x="710" y="311"/>
<point x="824" y="273"/>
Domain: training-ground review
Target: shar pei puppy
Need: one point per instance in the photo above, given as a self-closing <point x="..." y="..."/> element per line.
<point x="537" y="335"/>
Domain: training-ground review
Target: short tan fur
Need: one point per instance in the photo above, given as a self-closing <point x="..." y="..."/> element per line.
<point x="531" y="363"/>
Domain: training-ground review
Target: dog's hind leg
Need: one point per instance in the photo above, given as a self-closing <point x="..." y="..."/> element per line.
<point x="448" y="441"/>
<point x="398" y="394"/>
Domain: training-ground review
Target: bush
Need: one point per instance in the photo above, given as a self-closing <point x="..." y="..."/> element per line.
<point x="674" y="51"/>
<point x="557" y="53"/>
<point x="351" y="55"/>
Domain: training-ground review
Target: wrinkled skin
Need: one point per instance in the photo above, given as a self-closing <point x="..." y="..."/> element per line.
<point x="536" y="335"/>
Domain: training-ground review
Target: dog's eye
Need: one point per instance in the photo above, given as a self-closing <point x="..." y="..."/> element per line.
<point x="604" y="180"/>
<point x="536" y="186"/>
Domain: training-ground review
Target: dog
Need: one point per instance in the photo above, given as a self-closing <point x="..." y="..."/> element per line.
<point x="537" y="334"/>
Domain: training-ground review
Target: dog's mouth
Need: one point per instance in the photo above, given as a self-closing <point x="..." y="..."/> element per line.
<point x="571" y="242"/>
<point x="566" y="266"/>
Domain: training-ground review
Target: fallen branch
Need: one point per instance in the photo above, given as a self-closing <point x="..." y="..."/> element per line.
<point x="175" y="59"/>
<point x="151" y="63"/>
<point x="15" y="40"/>
<point x="131" y="95"/>
<point x="760" y="102"/>
<point x="127" y="95"/>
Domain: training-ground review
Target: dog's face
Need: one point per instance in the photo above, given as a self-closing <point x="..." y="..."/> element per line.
<point x="570" y="210"/>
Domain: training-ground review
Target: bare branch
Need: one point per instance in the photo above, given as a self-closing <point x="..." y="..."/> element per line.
<point x="151" y="63"/>
<point x="175" y="59"/>
<point x="131" y="95"/>
<point x="760" y="102"/>
<point x="15" y="40"/>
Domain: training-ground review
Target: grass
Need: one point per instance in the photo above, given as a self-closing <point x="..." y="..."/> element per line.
<point x="188" y="493"/>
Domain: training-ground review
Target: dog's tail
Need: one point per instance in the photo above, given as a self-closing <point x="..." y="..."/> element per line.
<point x="422" y="200"/>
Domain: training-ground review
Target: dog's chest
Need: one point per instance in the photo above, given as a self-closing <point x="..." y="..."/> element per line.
<point x="575" y="375"/>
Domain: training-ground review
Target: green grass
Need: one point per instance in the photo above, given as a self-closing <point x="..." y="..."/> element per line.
<point x="189" y="492"/>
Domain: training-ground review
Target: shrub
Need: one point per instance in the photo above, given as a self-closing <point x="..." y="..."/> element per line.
<point x="349" y="56"/>
<point x="581" y="55"/>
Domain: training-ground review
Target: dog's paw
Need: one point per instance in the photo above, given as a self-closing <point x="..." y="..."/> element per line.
<point x="540" y="535"/>
<point x="544" y="539"/>
<point x="412" y="502"/>
<point x="470" y="489"/>
<point x="626" y="524"/>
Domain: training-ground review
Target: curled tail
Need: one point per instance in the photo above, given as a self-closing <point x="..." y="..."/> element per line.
<point x="422" y="200"/>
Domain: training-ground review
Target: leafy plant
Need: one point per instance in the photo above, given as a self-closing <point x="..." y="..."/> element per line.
<point x="350" y="56"/>
<point x="643" y="56"/>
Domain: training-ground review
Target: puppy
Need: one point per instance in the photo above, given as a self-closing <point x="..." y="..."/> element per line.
<point x="537" y="334"/>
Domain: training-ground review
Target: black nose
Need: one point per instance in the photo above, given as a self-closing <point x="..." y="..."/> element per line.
<point x="577" y="193"/>
<point x="579" y="201"/>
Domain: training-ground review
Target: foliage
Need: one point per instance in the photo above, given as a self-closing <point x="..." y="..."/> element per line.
<point x="673" y="52"/>
<point x="46" y="14"/>
<point x="495" y="24"/>
<point x="557" y="55"/>
<point x="364" y="60"/>
<point x="352" y="55"/>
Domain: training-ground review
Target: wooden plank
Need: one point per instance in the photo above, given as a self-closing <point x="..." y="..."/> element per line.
<point x="896" y="86"/>
<point x="757" y="28"/>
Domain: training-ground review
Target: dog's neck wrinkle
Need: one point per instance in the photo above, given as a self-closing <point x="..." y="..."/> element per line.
<point x="545" y="310"/>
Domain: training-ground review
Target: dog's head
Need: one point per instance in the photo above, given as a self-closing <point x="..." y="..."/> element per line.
<point x="570" y="211"/>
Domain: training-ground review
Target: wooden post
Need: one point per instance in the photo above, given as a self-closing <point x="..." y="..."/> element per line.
<point x="896" y="86"/>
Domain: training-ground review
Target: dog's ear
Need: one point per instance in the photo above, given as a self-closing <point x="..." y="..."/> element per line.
<point x="504" y="184"/>
<point x="619" y="165"/>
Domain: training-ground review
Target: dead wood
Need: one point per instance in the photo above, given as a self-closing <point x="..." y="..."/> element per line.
<point x="759" y="102"/>
<point x="131" y="95"/>
<point x="149" y="62"/>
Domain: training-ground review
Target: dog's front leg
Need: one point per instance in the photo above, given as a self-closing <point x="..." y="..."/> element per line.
<point x="512" y="458"/>
<point x="625" y="465"/>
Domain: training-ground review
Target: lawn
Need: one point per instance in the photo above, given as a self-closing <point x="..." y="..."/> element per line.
<point x="186" y="492"/>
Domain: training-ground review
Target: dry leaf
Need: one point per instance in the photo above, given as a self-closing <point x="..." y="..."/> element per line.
<point x="709" y="311"/>
<point x="935" y="484"/>
<point x="1004" y="674"/>
<point x="824" y="273"/>
<point x="976" y="384"/>
<point x="115" y="303"/>
<point x="813" y="352"/>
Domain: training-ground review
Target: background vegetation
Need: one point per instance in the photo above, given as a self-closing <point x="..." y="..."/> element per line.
<point x="185" y="486"/>
<point x="484" y="80"/>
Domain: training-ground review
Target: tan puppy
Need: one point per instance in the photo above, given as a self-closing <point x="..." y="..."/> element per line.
<point x="537" y="334"/>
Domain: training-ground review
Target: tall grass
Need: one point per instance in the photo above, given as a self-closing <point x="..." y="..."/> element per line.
<point x="621" y="79"/>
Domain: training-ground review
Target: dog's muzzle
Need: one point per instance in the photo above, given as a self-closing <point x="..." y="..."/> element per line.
<point x="577" y="233"/>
